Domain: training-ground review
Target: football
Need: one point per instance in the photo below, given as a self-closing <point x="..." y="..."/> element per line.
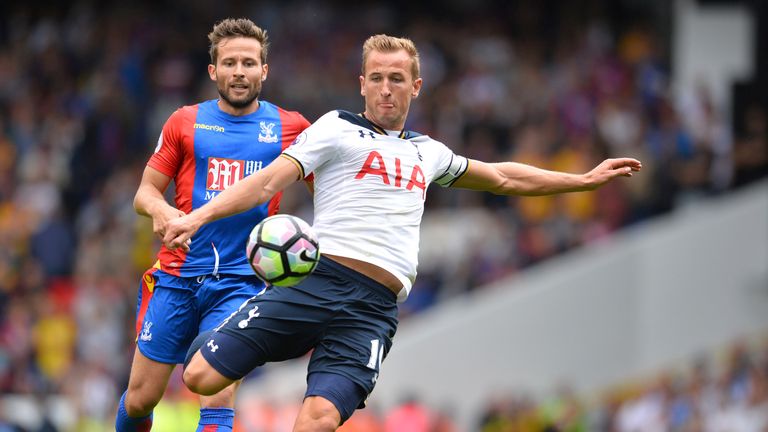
<point x="282" y="250"/>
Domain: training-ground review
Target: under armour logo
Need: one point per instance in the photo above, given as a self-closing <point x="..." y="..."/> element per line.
<point x="212" y="346"/>
<point x="362" y="134"/>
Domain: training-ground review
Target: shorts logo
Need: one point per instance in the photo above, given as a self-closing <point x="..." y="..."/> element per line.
<point x="242" y="306"/>
<point x="212" y="346"/>
<point x="146" y="335"/>
<point x="223" y="173"/>
<point x="251" y="315"/>
<point x="149" y="280"/>
<point x="267" y="135"/>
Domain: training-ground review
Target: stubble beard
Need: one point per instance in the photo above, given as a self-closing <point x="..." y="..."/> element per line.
<point x="239" y="103"/>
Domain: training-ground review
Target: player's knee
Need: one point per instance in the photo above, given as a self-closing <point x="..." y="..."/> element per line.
<point x="325" y="423"/>
<point x="202" y="379"/>
<point x="138" y="404"/>
<point x="223" y="398"/>
<point x="317" y="414"/>
<point x="195" y="379"/>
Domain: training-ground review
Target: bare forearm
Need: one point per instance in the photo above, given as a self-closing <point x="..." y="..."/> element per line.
<point x="148" y="201"/>
<point x="512" y="178"/>
<point x="250" y="192"/>
<point x="527" y="180"/>
<point x="241" y="196"/>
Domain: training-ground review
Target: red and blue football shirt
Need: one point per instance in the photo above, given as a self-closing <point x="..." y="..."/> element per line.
<point x="206" y="150"/>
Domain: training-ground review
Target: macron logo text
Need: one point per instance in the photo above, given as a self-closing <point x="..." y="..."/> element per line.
<point x="214" y="128"/>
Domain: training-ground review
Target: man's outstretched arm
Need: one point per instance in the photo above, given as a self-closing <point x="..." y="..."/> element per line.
<point x="249" y="192"/>
<point x="512" y="178"/>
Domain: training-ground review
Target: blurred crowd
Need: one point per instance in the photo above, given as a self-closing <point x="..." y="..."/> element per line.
<point x="85" y="88"/>
<point x="718" y="391"/>
<point x="725" y="390"/>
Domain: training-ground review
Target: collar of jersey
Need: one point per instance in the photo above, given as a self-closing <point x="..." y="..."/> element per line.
<point x="361" y="120"/>
<point x="380" y="129"/>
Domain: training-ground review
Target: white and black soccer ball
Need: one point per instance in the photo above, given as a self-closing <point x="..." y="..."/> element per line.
<point x="283" y="250"/>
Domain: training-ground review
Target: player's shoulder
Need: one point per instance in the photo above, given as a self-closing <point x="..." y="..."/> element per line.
<point x="186" y="110"/>
<point x="413" y="135"/>
<point x="289" y="116"/>
<point x="427" y="143"/>
<point x="420" y="138"/>
<point x="184" y="114"/>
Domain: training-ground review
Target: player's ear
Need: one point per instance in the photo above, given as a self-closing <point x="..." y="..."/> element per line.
<point x="362" y="85"/>
<point x="416" y="87"/>
<point x="264" y="72"/>
<point x="212" y="72"/>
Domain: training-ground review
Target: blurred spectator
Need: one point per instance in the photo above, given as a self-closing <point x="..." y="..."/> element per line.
<point x="751" y="146"/>
<point x="410" y="416"/>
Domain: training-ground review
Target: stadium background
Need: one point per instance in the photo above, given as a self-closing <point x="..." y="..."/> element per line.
<point x="85" y="87"/>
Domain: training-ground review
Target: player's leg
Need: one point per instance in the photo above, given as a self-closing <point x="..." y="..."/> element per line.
<point x="166" y="323"/>
<point x="331" y="399"/>
<point x="218" y="298"/>
<point x="280" y="324"/>
<point x="317" y="414"/>
<point x="345" y="365"/>
<point x="217" y="412"/>
<point x="202" y="378"/>
<point x="146" y="386"/>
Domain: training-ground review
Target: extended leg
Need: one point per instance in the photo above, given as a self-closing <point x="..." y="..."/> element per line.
<point x="146" y="386"/>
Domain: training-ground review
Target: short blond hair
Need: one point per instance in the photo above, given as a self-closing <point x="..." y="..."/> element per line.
<point x="386" y="44"/>
<point x="237" y="27"/>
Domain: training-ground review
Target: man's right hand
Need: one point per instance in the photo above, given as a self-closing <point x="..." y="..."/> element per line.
<point x="179" y="232"/>
<point x="160" y="220"/>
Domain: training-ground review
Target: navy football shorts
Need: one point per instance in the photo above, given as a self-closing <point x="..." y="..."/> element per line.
<point x="347" y="318"/>
<point x="172" y="310"/>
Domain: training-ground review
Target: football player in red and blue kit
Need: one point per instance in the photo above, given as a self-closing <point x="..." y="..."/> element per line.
<point x="204" y="149"/>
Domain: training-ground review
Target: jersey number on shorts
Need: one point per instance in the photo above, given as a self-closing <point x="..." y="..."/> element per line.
<point x="377" y="352"/>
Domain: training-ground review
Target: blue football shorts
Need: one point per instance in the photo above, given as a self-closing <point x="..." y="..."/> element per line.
<point x="172" y="310"/>
<point x="347" y="319"/>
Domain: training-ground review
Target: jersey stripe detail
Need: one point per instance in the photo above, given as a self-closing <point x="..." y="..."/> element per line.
<point x="458" y="166"/>
<point x="146" y="289"/>
<point x="296" y="162"/>
<point x="181" y="133"/>
<point x="358" y="120"/>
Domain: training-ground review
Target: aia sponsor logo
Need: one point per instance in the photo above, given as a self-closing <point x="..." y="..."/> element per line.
<point x="375" y="166"/>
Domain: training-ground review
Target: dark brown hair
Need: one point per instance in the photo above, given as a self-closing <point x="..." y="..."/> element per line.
<point x="237" y="27"/>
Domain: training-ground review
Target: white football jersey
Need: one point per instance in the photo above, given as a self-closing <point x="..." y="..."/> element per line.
<point x="370" y="188"/>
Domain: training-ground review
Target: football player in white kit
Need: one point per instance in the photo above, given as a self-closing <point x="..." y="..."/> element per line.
<point x="370" y="182"/>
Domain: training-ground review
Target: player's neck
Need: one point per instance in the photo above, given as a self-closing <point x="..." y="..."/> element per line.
<point x="383" y="127"/>
<point x="224" y="106"/>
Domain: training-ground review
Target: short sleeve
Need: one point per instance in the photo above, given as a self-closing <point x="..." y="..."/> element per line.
<point x="169" y="151"/>
<point x="315" y="145"/>
<point x="451" y="167"/>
